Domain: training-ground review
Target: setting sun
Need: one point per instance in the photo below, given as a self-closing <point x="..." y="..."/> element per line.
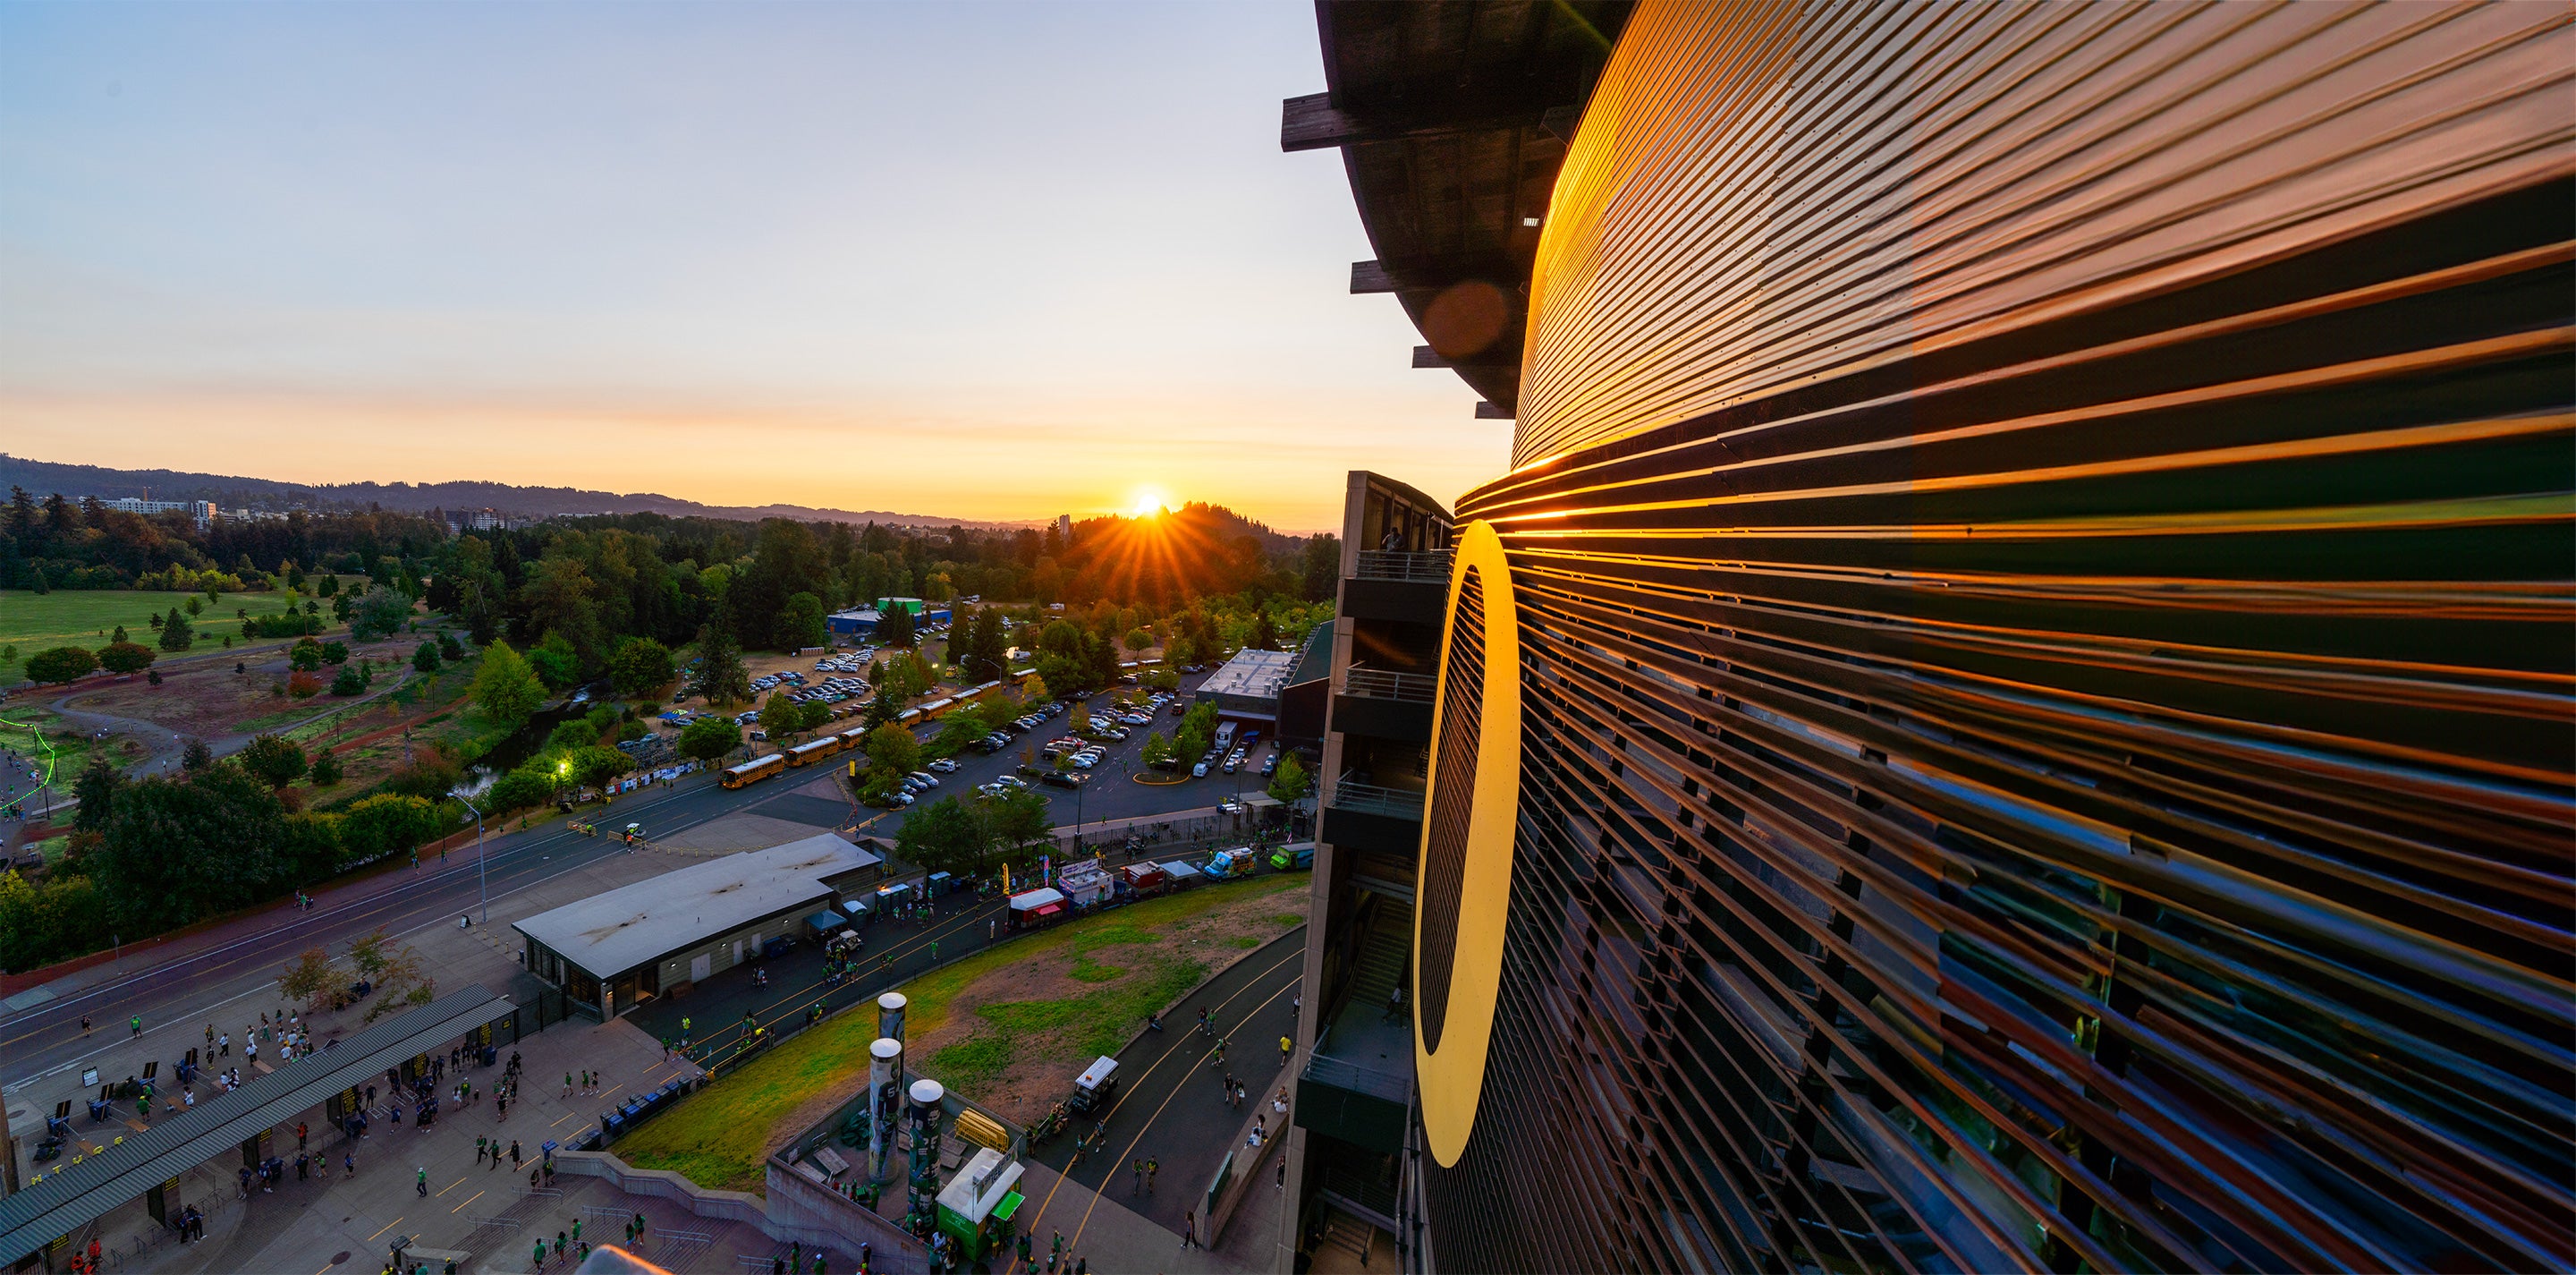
<point x="1148" y="503"/>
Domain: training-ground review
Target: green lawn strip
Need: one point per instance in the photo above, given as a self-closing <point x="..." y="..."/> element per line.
<point x="716" y="1137"/>
<point x="71" y="754"/>
<point x="85" y="618"/>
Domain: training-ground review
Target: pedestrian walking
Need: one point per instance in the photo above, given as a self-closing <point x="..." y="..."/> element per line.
<point x="349" y="1164"/>
<point x="514" y="1153"/>
<point x="84" y="1024"/>
<point x="479" y="1150"/>
<point x="541" y="1256"/>
<point x="138" y="1024"/>
<point x="422" y="1182"/>
<point x="1190" y="1228"/>
<point x="300" y="1131"/>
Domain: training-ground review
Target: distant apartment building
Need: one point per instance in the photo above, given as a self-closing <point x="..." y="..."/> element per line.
<point x="1064" y="527"/>
<point x="461" y="521"/>
<point x="203" y="511"/>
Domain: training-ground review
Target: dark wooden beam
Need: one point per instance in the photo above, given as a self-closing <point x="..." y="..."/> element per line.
<point x="1503" y="353"/>
<point x="1313" y="123"/>
<point x="1433" y="275"/>
<point x="1494" y="412"/>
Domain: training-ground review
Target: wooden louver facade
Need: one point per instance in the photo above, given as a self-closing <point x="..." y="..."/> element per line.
<point x="2041" y="537"/>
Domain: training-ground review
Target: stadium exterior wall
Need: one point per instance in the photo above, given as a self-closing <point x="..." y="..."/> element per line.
<point x="2040" y="546"/>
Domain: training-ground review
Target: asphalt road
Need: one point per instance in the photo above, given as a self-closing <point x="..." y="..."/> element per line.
<point x="243" y="954"/>
<point x="1171" y="1104"/>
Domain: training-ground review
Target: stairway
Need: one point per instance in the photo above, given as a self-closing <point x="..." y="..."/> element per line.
<point x="1349" y="1234"/>
<point x="1383" y="953"/>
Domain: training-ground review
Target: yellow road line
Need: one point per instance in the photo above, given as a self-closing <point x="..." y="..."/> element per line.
<point x="451" y="1186"/>
<point x="1150" y="1068"/>
<point x="1130" y="1148"/>
<point x="386" y="1227"/>
<point x="468" y="1200"/>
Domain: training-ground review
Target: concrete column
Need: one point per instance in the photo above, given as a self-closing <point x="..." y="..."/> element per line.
<point x="885" y="1060"/>
<point x="890" y="1009"/>
<point x="922" y="1196"/>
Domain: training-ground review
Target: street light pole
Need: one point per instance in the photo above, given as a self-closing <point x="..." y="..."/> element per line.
<point x="481" y="885"/>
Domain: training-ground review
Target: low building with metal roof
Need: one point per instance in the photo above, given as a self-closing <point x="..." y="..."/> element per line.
<point x="612" y="951"/>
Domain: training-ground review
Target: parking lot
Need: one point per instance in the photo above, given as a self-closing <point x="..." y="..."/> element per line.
<point x="1114" y="791"/>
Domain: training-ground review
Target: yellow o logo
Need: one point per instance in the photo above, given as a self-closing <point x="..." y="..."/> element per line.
<point x="1474" y="804"/>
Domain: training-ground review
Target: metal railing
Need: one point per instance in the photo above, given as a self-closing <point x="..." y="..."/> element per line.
<point x="1369" y="1196"/>
<point x="1400" y="803"/>
<point x="1428" y="567"/>
<point x="1371" y="683"/>
<point x="1343" y="1074"/>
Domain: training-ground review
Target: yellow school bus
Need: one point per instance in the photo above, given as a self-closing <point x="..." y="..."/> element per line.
<point x="755" y="770"/>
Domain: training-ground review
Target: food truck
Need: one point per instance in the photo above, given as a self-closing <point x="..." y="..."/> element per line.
<point x="1041" y="906"/>
<point x="1144" y="880"/>
<point x="1097" y="1084"/>
<point x="1084" y="882"/>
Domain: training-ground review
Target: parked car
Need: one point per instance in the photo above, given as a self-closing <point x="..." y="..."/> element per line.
<point x="1199" y="771"/>
<point x="942" y="765"/>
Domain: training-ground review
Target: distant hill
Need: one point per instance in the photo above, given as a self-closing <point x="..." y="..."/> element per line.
<point x="45" y="477"/>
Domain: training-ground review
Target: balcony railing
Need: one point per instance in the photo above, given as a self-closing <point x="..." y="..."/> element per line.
<point x="1379" y="564"/>
<point x="1399" y="803"/>
<point x="1370" y="683"/>
<point x="1358" y="1079"/>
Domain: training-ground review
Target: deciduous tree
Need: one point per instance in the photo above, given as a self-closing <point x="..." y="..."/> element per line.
<point x="892" y="749"/>
<point x="505" y="688"/>
<point x="312" y="977"/>
<point x="60" y="664"/>
<point x="122" y="656"/>
<point x="276" y="760"/>
<point x="709" y="738"/>
<point x="639" y="667"/>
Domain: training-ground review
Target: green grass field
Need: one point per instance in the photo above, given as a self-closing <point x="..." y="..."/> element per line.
<point x="85" y="618"/>
<point x="17" y="721"/>
<point x="716" y="1138"/>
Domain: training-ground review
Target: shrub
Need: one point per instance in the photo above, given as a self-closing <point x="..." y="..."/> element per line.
<point x="303" y="684"/>
<point x="335" y="652"/>
<point x="424" y="658"/>
<point x="349" y="682"/>
<point x="326" y="769"/>
<point x="430" y="775"/>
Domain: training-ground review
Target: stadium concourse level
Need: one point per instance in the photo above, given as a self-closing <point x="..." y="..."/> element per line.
<point x="74" y="1197"/>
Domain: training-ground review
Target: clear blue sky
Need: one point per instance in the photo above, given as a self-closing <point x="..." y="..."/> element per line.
<point x="982" y="259"/>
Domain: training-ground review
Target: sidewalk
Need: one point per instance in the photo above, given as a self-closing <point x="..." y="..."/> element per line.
<point x="486" y="954"/>
<point x="1118" y="1239"/>
<point x="470" y="1205"/>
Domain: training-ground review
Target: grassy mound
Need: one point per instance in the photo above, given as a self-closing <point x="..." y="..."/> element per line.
<point x="719" y="1137"/>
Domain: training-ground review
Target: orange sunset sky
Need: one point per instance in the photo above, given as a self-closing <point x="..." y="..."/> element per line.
<point x="985" y="261"/>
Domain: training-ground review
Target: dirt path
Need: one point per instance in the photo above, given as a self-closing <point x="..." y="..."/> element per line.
<point x="167" y="748"/>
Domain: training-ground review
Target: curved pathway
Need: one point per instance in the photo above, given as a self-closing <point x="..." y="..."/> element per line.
<point x="168" y="747"/>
